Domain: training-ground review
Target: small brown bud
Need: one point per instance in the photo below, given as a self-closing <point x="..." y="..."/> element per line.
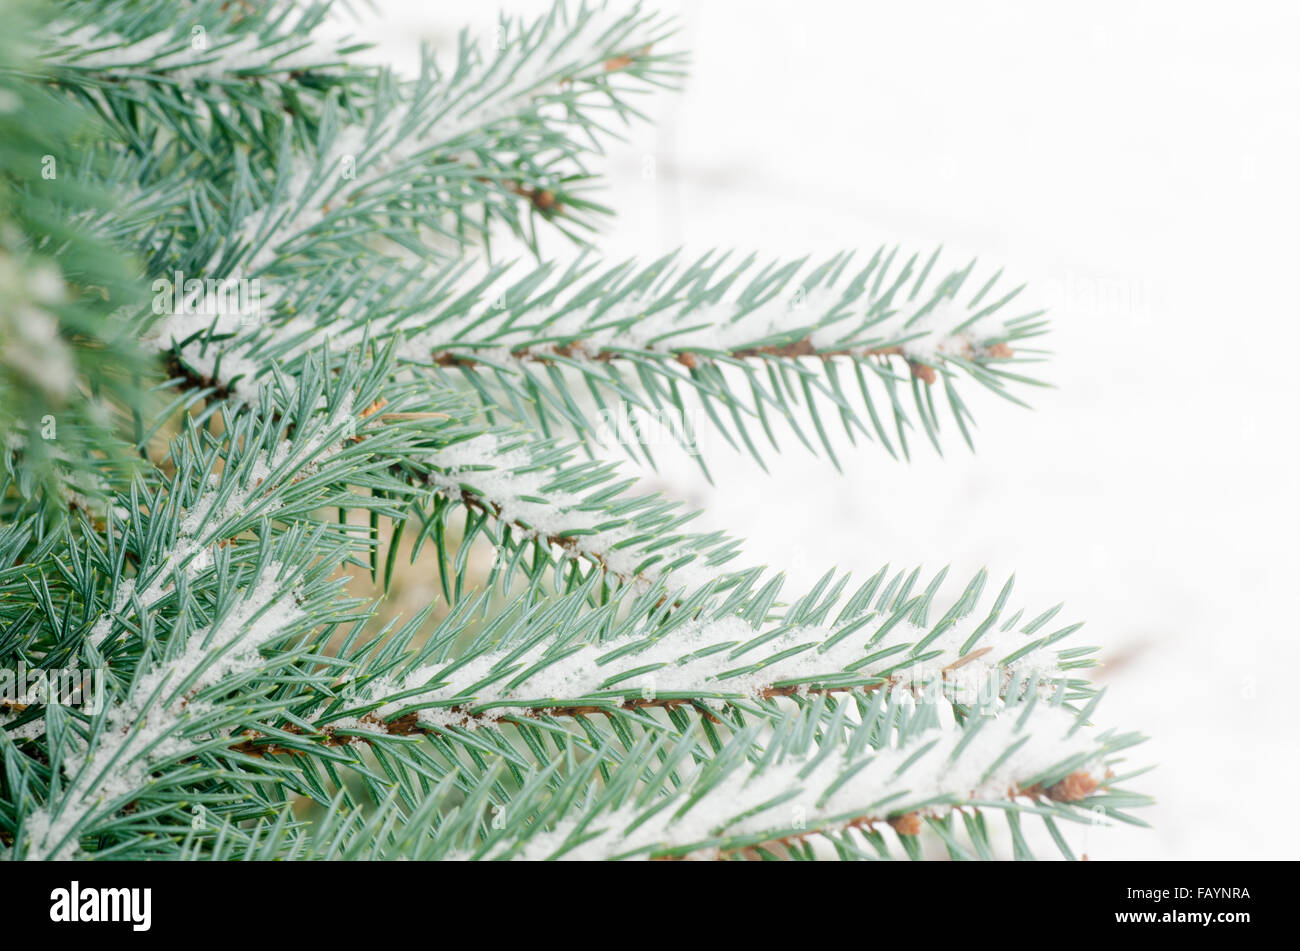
<point x="909" y="824"/>
<point x="1078" y="785"/>
<point x="615" y="63"/>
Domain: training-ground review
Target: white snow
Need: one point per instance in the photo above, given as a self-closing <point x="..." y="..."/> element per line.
<point x="517" y="486"/>
<point x="190" y="552"/>
<point x="676" y="666"/>
<point x="193" y="57"/>
<point x="417" y="128"/>
<point x="136" y="733"/>
<point x="972" y="775"/>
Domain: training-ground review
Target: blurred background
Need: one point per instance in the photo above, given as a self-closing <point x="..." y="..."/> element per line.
<point x="1135" y="164"/>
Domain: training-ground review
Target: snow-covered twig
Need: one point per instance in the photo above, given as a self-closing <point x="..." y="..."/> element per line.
<point x="148" y="725"/>
<point x="785" y="798"/>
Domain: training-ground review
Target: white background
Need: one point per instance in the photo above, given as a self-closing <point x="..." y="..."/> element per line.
<point x="1135" y="163"/>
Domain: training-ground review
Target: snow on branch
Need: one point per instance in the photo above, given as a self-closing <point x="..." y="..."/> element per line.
<point x="241" y="492"/>
<point x="781" y="340"/>
<point x="248" y="488"/>
<point x="724" y="660"/>
<point x="730" y="804"/>
<point x="519" y="98"/>
<point x="633" y="540"/>
<point x="202" y="53"/>
<point x="674" y="326"/>
<point x="664" y="312"/>
<point x="148" y="725"/>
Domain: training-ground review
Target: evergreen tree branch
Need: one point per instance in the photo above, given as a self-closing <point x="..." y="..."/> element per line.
<point x="799" y="787"/>
<point x="66" y="361"/>
<point x="635" y="696"/>
<point x="557" y="662"/>
<point x="787" y="343"/>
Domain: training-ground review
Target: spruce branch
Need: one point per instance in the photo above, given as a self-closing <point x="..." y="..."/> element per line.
<point x="554" y="661"/>
<point x="613" y="687"/>
<point x="780" y="346"/>
<point x="67" y="361"/>
<point x="799" y="788"/>
<point x="509" y="123"/>
<point x="820" y="782"/>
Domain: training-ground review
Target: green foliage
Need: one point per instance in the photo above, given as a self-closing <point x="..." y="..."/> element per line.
<point x="287" y="360"/>
<point x="67" y="362"/>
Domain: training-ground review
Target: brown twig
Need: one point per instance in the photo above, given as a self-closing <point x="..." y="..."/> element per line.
<point x="408" y="724"/>
<point x="689" y="359"/>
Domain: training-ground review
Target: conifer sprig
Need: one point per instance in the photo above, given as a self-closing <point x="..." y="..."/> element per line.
<point x="611" y="684"/>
